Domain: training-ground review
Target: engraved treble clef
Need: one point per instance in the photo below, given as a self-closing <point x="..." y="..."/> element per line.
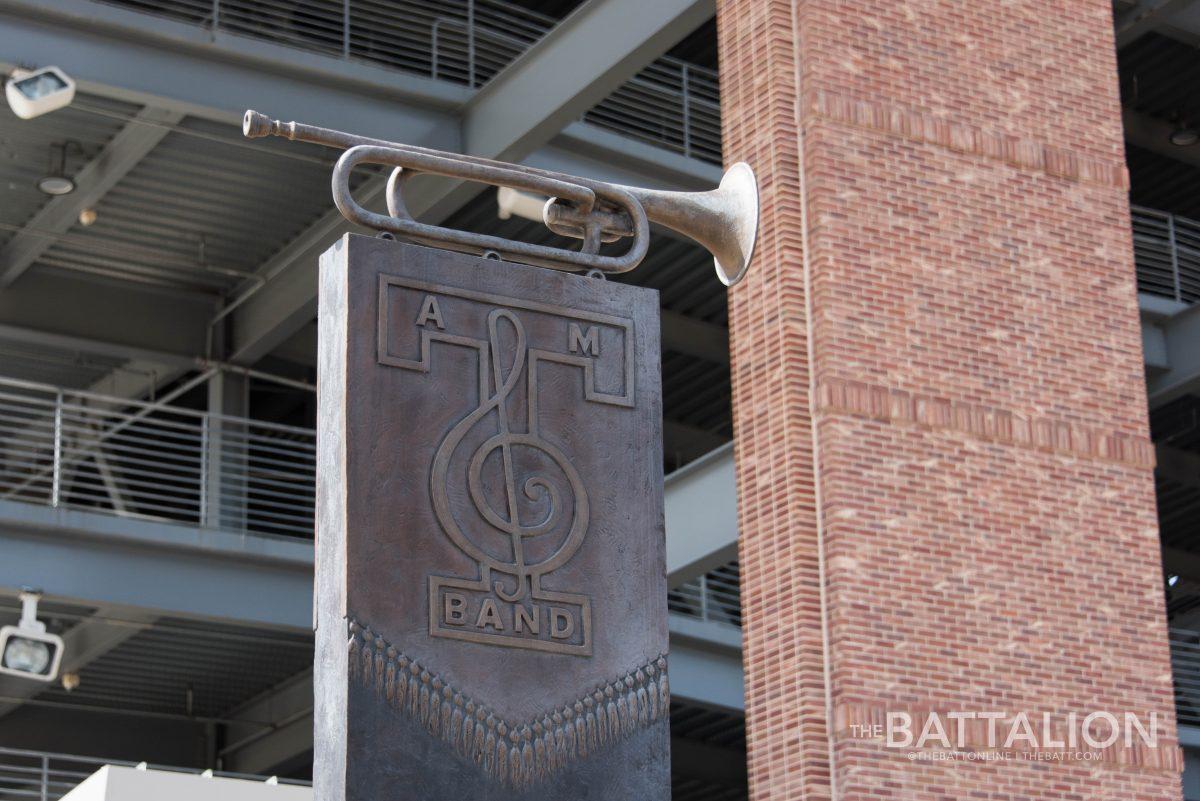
<point x="536" y="488"/>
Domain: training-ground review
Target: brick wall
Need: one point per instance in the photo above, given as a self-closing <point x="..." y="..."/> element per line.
<point x="945" y="483"/>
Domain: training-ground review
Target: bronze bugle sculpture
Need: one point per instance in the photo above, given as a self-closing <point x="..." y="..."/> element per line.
<point x="723" y="220"/>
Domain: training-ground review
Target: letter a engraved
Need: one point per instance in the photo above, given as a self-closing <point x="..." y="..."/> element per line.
<point x="587" y="344"/>
<point x="489" y="616"/>
<point x="431" y="312"/>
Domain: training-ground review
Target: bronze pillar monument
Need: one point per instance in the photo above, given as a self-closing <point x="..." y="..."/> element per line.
<point x="491" y="614"/>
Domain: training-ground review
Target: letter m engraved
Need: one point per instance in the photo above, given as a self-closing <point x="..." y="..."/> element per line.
<point x="579" y="342"/>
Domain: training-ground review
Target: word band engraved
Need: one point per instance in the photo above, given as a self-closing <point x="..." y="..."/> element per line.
<point x="529" y="508"/>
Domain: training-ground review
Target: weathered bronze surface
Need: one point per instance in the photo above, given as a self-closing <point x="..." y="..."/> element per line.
<point x="490" y="552"/>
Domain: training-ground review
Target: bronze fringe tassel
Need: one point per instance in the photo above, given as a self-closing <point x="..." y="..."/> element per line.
<point x="522" y="753"/>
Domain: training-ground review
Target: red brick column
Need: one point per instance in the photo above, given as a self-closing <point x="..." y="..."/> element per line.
<point x="945" y="475"/>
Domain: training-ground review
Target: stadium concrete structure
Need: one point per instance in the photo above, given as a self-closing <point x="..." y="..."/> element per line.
<point x="939" y="451"/>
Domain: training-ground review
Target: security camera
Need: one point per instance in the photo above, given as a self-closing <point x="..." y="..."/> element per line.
<point x="26" y="650"/>
<point x="36" y="92"/>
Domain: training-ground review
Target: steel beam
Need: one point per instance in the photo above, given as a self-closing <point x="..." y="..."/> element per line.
<point x="1178" y="337"/>
<point x="98" y="316"/>
<point x="706" y="672"/>
<point x="277" y="727"/>
<point x="582" y="60"/>
<point x="122" y="153"/>
<point x="701" y="515"/>
<point x="164" y="568"/>
<point x="1146" y="17"/>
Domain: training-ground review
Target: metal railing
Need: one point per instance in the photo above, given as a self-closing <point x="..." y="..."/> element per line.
<point x="48" y="777"/>
<point x="86" y="451"/>
<point x="1166" y="248"/>
<point x="671" y="103"/>
<point x="715" y="596"/>
<point x="1185" y="666"/>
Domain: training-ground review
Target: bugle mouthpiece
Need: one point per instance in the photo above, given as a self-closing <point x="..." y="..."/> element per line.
<point x="256" y="125"/>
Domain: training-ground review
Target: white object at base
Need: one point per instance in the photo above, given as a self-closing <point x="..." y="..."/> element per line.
<point x="118" y="783"/>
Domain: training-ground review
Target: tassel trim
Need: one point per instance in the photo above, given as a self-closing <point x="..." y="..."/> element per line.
<point x="519" y="753"/>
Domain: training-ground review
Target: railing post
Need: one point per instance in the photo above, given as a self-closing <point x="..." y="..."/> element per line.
<point x="685" y="79"/>
<point x="434" y="29"/>
<point x="45" y="778"/>
<point x="1174" y="256"/>
<point x="216" y="16"/>
<point x="56" y="475"/>
<point x="704" y="597"/>
<point x="228" y="451"/>
<point x="345" y="28"/>
<point x="471" y="43"/>
<point x="202" y="513"/>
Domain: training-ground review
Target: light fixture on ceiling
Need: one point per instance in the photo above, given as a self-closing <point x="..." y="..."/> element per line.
<point x="1184" y="135"/>
<point x="26" y="650"/>
<point x="56" y="181"/>
<point x="32" y="93"/>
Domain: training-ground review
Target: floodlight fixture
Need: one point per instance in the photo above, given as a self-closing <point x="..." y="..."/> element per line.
<point x="1184" y="135"/>
<point x="26" y="649"/>
<point x="56" y="181"/>
<point x="32" y="93"/>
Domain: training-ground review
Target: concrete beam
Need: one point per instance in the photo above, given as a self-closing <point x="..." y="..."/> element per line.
<point x="701" y="515"/>
<point x="122" y="153"/>
<point x="164" y="568"/>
